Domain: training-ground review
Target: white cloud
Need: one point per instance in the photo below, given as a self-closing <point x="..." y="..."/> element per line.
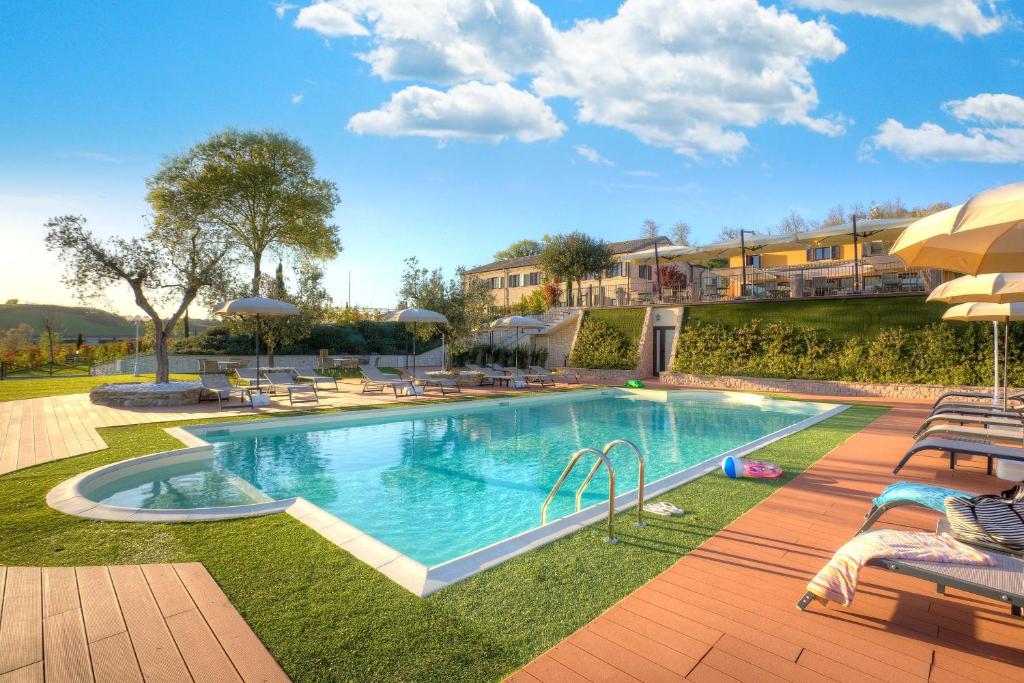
<point x="988" y="108"/>
<point x="592" y="155"/>
<point x="473" y="111"/>
<point x="689" y="76"/>
<point x="999" y="142"/>
<point x="685" y="75"/>
<point x="297" y="98"/>
<point x="282" y="8"/>
<point x="956" y="17"/>
<point x="643" y="174"/>
<point x="329" y="19"/>
<point x="444" y="41"/>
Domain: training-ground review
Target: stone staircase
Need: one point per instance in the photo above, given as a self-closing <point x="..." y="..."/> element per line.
<point x="553" y="319"/>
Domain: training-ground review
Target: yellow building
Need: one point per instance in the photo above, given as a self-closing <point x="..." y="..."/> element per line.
<point x="513" y="280"/>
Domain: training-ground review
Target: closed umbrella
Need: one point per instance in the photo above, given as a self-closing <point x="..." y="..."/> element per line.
<point x="519" y="322"/>
<point x="416" y="316"/>
<point x="257" y="307"/>
<point x="996" y="313"/>
<point x="983" y="235"/>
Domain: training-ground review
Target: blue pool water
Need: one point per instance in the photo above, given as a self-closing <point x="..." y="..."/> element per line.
<point x="457" y="479"/>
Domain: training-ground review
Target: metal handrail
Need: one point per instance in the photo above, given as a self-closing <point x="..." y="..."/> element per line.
<point x="640" y="467"/>
<point x="602" y="458"/>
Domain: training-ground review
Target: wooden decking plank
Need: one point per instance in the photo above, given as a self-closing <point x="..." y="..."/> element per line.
<point x="67" y="653"/>
<point x="204" y="657"/>
<point x="21" y="619"/>
<point x="12" y="440"/>
<point x="113" y="660"/>
<point x="155" y="649"/>
<point x="167" y="588"/>
<point x="587" y="665"/>
<point x="33" y="673"/>
<point x="246" y="652"/>
<point x="100" y="609"/>
<point x="60" y="590"/>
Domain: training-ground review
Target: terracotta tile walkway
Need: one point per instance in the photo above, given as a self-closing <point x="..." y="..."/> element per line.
<point x="727" y="612"/>
<point x="157" y="622"/>
<point x="39" y="430"/>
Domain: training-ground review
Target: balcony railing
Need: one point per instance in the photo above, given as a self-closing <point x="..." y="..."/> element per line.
<point x="810" y="281"/>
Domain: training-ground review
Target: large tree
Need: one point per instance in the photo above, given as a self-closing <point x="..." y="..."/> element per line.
<point x="259" y="185"/>
<point x="169" y="266"/>
<point x="518" y="249"/>
<point x="463" y="300"/>
<point x="571" y="257"/>
<point x="681" y="234"/>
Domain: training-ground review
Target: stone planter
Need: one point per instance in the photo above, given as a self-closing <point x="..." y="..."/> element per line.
<point x="147" y="394"/>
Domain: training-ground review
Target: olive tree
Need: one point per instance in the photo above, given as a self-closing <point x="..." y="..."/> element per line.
<point x="261" y="186"/>
<point x="168" y="267"/>
<point x="464" y="301"/>
<point x="572" y="256"/>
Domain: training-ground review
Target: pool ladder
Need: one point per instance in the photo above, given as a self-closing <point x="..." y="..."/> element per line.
<point x="602" y="459"/>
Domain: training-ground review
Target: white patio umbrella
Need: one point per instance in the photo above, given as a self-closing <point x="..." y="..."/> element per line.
<point x="520" y="323"/>
<point x="997" y="313"/>
<point x="983" y="235"/>
<point x="256" y="307"/>
<point x="416" y="316"/>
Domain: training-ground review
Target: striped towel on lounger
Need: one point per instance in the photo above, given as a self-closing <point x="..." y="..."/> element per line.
<point x="837" y="581"/>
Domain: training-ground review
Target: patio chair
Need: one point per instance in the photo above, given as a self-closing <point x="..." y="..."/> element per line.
<point x="284" y="381"/>
<point x="956" y="447"/>
<point x="238" y="362"/>
<point x="208" y="367"/>
<point x="1003" y="581"/>
<point x="218" y="385"/>
<point x="376" y="381"/>
<point x="445" y="384"/>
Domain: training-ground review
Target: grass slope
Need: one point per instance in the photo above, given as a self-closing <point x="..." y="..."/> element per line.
<point x="839" y="318"/>
<point x="91" y="322"/>
<point x="14" y="389"/>
<point x="328" y="617"/>
<point x="627" y="321"/>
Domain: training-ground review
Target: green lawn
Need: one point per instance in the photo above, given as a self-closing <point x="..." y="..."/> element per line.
<point x="13" y="389"/>
<point x="328" y="617"/>
<point x="839" y="318"/>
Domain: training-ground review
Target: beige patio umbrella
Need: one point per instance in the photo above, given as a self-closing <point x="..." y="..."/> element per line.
<point x="995" y="288"/>
<point x="983" y="235"/>
<point x="417" y="316"/>
<point x="256" y="307"/>
<point x="519" y="322"/>
<point x="997" y="313"/>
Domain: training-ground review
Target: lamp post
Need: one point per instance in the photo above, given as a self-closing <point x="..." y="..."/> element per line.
<point x="856" y="255"/>
<point x="137" y="319"/>
<point x="743" y="260"/>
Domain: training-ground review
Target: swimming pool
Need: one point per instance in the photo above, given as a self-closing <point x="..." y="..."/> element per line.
<point x="438" y="483"/>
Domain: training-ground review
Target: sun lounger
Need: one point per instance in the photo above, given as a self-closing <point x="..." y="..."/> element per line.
<point x="941" y="400"/>
<point x="972" y="420"/>
<point x="285" y="382"/>
<point x="570" y="376"/>
<point x="908" y="493"/>
<point x="542" y="375"/>
<point x="247" y="375"/>
<point x="979" y="409"/>
<point x="1004" y="581"/>
<point x="445" y="384"/>
<point x="998" y="433"/>
<point x="219" y="386"/>
<point x="319" y="381"/>
<point x="376" y="381"/>
<point x="957" y="447"/>
<point x="489" y="375"/>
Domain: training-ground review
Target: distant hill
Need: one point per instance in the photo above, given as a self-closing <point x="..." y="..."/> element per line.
<point x="90" y="322"/>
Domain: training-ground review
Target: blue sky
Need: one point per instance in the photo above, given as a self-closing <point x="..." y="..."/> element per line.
<point x="454" y="128"/>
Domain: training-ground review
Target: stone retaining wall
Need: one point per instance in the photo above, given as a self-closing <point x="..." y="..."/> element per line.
<point x="919" y="392"/>
<point x="613" y="378"/>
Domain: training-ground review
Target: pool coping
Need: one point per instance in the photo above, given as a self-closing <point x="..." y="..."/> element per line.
<point x="71" y="498"/>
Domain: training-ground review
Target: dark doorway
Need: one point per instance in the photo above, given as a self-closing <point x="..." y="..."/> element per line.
<point x="664" y="336"/>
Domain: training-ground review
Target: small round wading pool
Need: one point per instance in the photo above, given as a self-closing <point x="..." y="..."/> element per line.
<point x="146" y="394"/>
<point x="431" y="494"/>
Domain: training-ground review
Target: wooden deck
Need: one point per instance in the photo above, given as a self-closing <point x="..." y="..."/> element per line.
<point x="726" y="612"/>
<point x="157" y="622"/>
<point x="40" y="430"/>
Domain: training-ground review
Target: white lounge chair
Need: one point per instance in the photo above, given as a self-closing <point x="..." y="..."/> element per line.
<point x="445" y="384"/>
<point x="218" y="385"/>
<point x="284" y="381"/>
<point x="376" y="381"/>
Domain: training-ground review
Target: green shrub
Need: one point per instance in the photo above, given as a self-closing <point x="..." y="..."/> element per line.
<point x="629" y="322"/>
<point x="601" y="346"/>
<point x="360" y="337"/>
<point x="934" y="354"/>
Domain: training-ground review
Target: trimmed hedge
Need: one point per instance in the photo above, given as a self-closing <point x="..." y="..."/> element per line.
<point x="361" y="337"/>
<point x="837" y="318"/>
<point x="608" y="339"/>
<point x="934" y="354"/>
